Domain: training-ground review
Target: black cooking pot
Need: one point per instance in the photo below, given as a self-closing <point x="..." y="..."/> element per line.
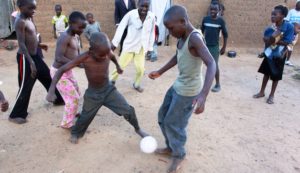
<point x="231" y="54"/>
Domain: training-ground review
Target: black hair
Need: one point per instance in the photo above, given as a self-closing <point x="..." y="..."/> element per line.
<point x="21" y="3"/>
<point x="99" y="39"/>
<point x="89" y="14"/>
<point x="139" y="1"/>
<point x="75" y="16"/>
<point x="176" y="11"/>
<point x="283" y="10"/>
<point x="58" y="5"/>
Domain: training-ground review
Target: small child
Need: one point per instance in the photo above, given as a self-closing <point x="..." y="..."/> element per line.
<point x="3" y="103"/>
<point x="211" y="27"/>
<point x="293" y="17"/>
<point x="291" y="46"/>
<point x="67" y="48"/>
<point x="152" y="55"/>
<point x="59" y="21"/>
<point x="100" y="91"/>
<point x="92" y="26"/>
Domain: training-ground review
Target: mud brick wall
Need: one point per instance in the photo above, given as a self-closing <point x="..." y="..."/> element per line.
<point x="246" y="19"/>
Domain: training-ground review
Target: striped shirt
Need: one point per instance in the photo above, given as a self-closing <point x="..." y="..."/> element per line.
<point x="211" y="29"/>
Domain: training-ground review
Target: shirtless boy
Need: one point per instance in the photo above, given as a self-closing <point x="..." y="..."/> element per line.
<point x="100" y="91"/>
<point x="67" y="48"/>
<point x="30" y="65"/>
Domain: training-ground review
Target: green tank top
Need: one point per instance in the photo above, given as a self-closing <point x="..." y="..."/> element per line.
<point x="189" y="81"/>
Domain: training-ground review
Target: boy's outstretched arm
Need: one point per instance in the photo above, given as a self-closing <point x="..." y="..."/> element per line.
<point x="114" y="60"/>
<point x="197" y="47"/>
<point x="20" y="31"/>
<point x="51" y="97"/>
<point x="169" y="65"/>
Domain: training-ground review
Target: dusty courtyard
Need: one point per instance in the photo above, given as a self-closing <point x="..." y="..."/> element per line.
<point x="236" y="134"/>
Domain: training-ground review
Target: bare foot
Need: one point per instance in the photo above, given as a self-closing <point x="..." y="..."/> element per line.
<point x="66" y="128"/>
<point x="175" y="165"/>
<point x="17" y="120"/>
<point x="270" y="100"/>
<point x="58" y="102"/>
<point x="74" y="139"/>
<point x="141" y="133"/>
<point x="164" y="151"/>
<point x="259" y="95"/>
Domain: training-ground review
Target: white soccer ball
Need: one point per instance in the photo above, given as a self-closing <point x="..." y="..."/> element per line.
<point x="148" y="144"/>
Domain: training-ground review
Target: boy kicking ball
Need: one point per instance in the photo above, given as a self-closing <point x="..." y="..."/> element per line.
<point x="188" y="90"/>
<point x="100" y="91"/>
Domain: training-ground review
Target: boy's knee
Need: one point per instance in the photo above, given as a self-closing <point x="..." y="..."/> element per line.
<point x="130" y="112"/>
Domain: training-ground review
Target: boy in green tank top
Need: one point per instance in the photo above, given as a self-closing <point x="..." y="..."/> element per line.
<point x="188" y="90"/>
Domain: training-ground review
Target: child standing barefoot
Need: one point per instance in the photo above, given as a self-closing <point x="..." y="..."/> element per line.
<point x="67" y="48"/>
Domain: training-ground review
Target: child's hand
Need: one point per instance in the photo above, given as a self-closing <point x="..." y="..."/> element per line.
<point x="119" y="70"/>
<point x="33" y="70"/>
<point x="200" y="104"/>
<point x="113" y="48"/>
<point x="153" y="75"/>
<point x="43" y="46"/>
<point x="223" y="50"/>
<point x="4" y="105"/>
<point x="51" y="97"/>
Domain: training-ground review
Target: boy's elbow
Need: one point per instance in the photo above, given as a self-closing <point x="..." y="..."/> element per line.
<point x="212" y="66"/>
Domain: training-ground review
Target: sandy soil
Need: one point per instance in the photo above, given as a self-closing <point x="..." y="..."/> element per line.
<point x="236" y="134"/>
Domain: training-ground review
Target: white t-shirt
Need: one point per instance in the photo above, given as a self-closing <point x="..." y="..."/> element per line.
<point x="293" y="16"/>
<point x="60" y="22"/>
<point x="126" y="3"/>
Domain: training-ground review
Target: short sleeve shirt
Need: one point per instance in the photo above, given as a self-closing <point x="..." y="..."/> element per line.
<point x="293" y="16"/>
<point x="60" y="22"/>
<point x="211" y="29"/>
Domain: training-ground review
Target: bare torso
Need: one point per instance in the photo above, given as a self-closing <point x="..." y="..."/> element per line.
<point x="70" y="51"/>
<point x="97" y="72"/>
<point x="31" y="40"/>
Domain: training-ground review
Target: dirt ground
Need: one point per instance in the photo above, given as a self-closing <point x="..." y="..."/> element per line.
<point x="236" y="134"/>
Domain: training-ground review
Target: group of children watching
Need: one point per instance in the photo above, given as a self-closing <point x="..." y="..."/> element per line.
<point x="60" y="23"/>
